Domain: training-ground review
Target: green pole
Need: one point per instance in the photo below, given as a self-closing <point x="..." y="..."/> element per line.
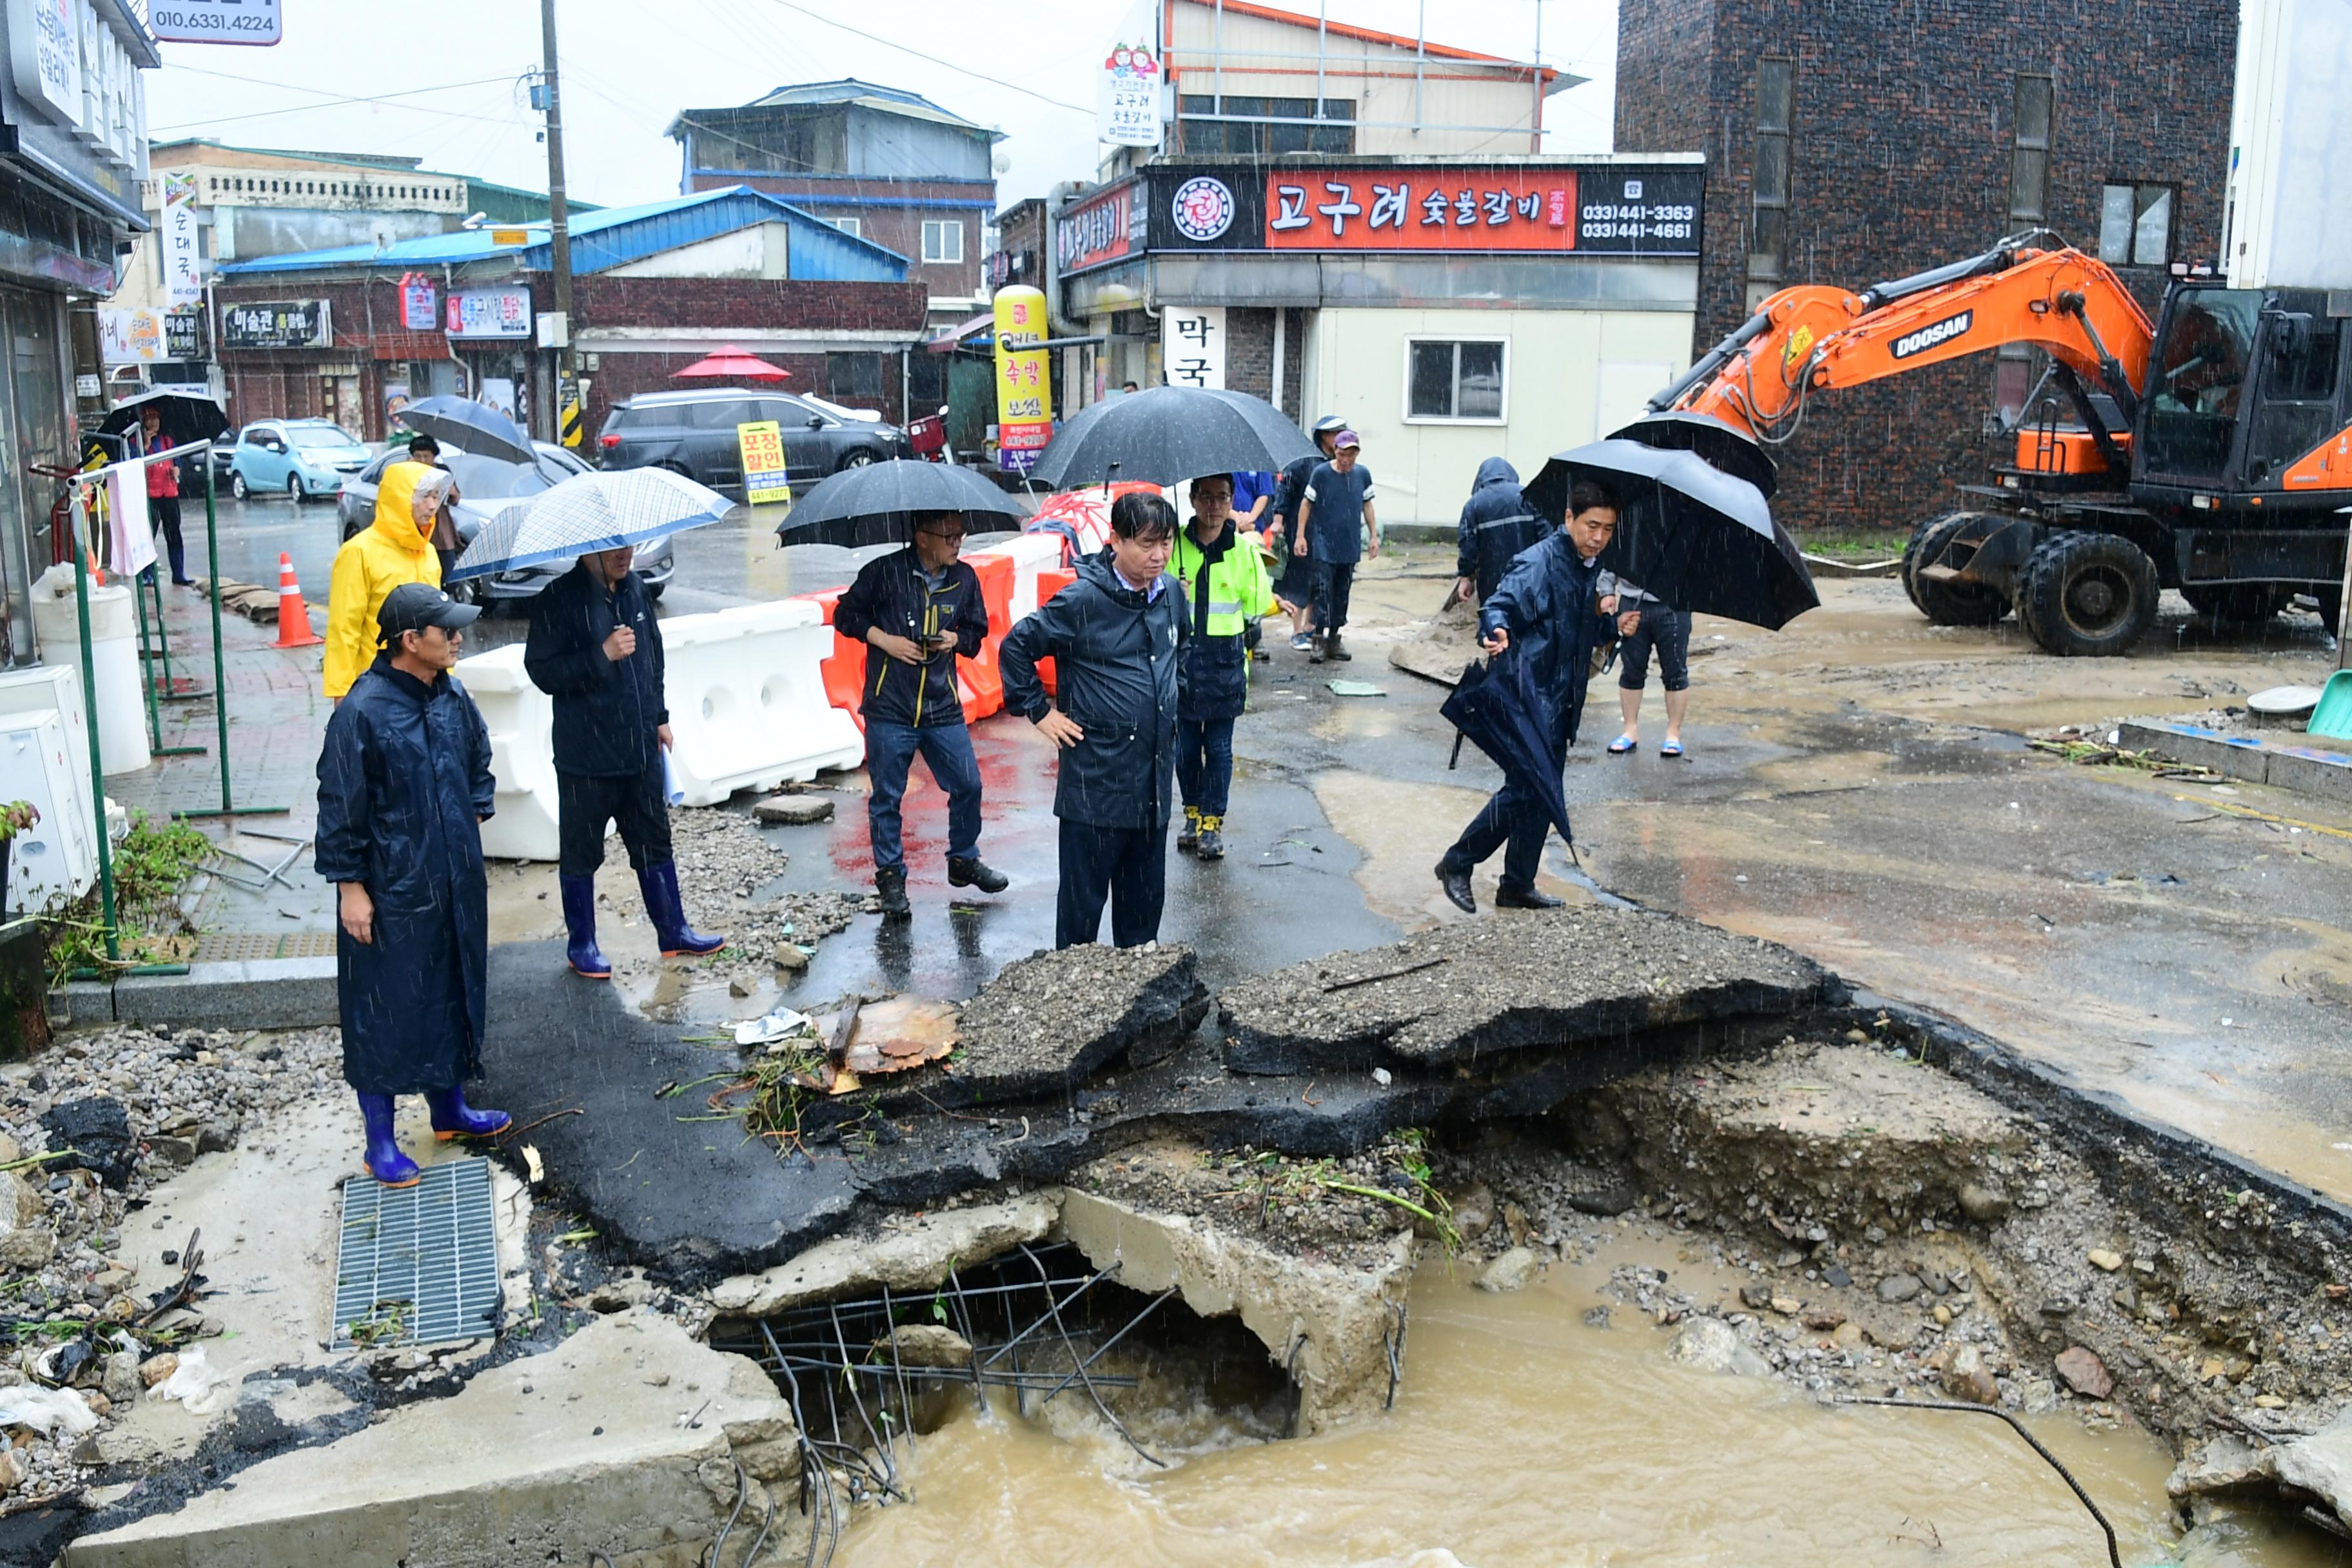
<point x="220" y="669"/>
<point x="146" y="668"/>
<point x="90" y="717"/>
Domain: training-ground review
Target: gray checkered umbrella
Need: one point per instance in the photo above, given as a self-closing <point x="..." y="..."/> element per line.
<point x="589" y="512"/>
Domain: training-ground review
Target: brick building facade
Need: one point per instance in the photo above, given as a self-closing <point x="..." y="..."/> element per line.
<point x="1913" y="136"/>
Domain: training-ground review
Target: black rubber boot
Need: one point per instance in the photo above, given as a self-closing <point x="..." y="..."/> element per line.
<point x="974" y="873"/>
<point x="892" y="886"/>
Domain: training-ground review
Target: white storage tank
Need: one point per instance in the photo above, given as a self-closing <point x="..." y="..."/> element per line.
<point x="114" y="659"/>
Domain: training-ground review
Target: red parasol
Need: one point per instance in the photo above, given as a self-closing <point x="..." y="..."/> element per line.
<point x="732" y="363"/>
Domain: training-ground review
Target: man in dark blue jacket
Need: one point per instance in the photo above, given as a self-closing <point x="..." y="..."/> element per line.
<point x="1546" y="613"/>
<point x="404" y="786"/>
<point x="917" y="609"/>
<point x="596" y="648"/>
<point x="1496" y="524"/>
<point x="1116" y="636"/>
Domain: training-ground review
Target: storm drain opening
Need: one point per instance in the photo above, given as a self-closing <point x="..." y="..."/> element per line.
<point x="1040" y="1334"/>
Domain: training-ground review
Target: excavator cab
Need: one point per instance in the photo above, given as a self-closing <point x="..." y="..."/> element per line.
<point x="2245" y="383"/>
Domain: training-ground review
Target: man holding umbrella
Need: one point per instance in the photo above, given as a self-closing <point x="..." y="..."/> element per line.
<point x="1547" y="614"/>
<point x="596" y="648"/>
<point x="916" y="610"/>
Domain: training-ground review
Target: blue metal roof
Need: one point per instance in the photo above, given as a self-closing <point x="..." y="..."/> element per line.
<point x="615" y="237"/>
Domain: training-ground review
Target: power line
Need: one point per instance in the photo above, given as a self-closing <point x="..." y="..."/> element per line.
<point x="935" y="59"/>
<point x="331" y="102"/>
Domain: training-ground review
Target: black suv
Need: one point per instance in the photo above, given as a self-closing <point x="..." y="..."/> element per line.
<point x="693" y="433"/>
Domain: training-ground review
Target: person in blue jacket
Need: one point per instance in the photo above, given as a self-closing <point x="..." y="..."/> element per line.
<point x="1496" y="524"/>
<point x="404" y="786"/>
<point x="596" y="648"/>
<point x="917" y="609"/>
<point x="1116" y="636"/>
<point x="1548" y="611"/>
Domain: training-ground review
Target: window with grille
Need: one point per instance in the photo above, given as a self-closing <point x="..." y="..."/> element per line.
<point x="1775" y="106"/>
<point x="942" y="241"/>
<point x="2136" y="225"/>
<point x="1458" y="379"/>
<point x="2029" y="154"/>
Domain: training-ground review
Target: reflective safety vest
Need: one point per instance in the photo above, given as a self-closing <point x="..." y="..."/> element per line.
<point x="1236" y="583"/>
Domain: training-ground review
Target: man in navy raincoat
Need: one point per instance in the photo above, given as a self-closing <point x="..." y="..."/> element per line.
<point x="404" y="786"/>
<point x="1547" y="612"/>
<point x="1496" y="524"/>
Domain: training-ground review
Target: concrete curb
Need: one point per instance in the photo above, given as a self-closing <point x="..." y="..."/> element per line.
<point x="263" y="994"/>
<point x="1831" y="566"/>
<point x="2255" y="761"/>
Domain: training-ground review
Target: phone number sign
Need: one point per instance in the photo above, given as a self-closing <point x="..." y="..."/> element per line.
<point x="217" y="21"/>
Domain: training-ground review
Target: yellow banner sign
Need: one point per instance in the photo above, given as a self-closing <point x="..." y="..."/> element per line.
<point x="763" y="445"/>
<point x="1024" y="379"/>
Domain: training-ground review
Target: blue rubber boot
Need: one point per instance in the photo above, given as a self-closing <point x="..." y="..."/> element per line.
<point x="383" y="1159"/>
<point x="453" y="1117"/>
<point x="676" y="939"/>
<point x="580" y="928"/>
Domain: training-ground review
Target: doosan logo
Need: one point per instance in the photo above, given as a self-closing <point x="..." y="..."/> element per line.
<point x="1927" y="337"/>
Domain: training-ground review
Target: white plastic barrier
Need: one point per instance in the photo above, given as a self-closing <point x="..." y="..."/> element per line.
<point x="520" y="719"/>
<point x="1030" y="553"/>
<point x="747" y="703"/>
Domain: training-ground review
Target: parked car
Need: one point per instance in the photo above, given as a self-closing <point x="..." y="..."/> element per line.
<point x="693" y="433"/>
<point x="485" y="486"/>
<point x="295" y="457"/>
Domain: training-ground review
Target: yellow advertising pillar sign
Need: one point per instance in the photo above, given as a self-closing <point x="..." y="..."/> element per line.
<point x="1024" y="380"/>
<point x="762" y="446"/>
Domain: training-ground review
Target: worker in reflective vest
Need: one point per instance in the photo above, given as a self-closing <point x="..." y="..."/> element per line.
<point x="1223" y="578"/>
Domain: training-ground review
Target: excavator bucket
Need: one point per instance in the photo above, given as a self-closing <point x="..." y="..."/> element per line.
<point x="1709" y="438"/>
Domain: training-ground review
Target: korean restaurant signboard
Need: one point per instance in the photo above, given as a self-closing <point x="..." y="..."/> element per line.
<point x="1504" y="207"/>
<point x="1103" y="228"/>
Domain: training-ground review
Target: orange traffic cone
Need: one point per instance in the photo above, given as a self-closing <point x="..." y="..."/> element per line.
<point x="293" y="616"/>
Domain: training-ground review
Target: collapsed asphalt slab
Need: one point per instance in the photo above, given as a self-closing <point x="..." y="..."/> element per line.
<point x="1531" y="1008"/>
<point x="1567" y="978"/>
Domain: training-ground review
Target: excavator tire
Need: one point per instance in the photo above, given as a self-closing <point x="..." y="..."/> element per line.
<point x="2242" y="605"/>
<point x="2085" y="594"/>
<point x="1946" y="603"/>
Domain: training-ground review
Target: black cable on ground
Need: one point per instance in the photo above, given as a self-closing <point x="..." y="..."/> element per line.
<point x="2114" y="1553"/>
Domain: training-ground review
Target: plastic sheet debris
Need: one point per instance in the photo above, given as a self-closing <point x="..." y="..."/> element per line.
<point x="781" y="1025"/>
<point x="1356" y="688"/>
<point x="45" y="1410"/>
<point x="204" y="1389"/>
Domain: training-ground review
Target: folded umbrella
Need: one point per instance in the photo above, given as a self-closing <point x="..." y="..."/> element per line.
<point x="470" y="427"/>
<point x="1495" y="705"/>
<point x="185" y="417"/>
<point x="878" y="502"/>
<point x="588" y="512"/>
<point x="1167" y="435"/>
<point x="1694" y="536"/>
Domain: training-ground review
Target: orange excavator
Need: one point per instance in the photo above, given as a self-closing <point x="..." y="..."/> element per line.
<point x="2210" y="452"/>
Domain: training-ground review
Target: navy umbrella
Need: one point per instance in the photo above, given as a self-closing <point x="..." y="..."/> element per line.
<point x="470" y="427"/>
<point x="877" y="502"/>
<point x="1691" y="534"/>
<point x="1170" y="434"/>
<point x="1495" y="705"/>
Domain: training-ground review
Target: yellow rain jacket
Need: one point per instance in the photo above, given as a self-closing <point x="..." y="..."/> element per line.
<point x="372" y="563"/>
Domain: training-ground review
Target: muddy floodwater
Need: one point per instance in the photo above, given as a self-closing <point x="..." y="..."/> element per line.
<point x="1522" y="1436"/>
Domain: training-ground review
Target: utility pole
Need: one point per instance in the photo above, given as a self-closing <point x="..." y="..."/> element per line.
<point x="559" y="227"/>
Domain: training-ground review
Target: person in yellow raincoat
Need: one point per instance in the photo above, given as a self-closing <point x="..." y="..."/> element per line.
<point x="396" y="548"/>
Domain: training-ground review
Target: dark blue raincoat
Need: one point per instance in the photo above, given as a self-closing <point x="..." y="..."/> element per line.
<point x="1496" y="524"/>
<point x="1115" y="656"/>
<point x="403" y="784"/>
<point x="1548" y="603"/>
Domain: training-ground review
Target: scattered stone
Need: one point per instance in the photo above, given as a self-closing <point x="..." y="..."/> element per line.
<point x="1596" y="1317"/>
<point x="790" y="958"/>
<point x="1824" y="1319"/>
<point x="98" y="1132"/>
<point x="1847" y="1336"/>
<point x="2103" y="1259"/>
<point x="1473" y="1211"/>
<point x="1511" y="1270"/>
<point x="1968" y="1377"/>
<point x="2226" y="1464"/>
<point x="2080" y="1369"/>
<point x="156" y="1368"/>
<point x="13" y="1470"/>
<point x="1786" y="1306"/>
<point x="797" y="810"/>
<point x="2321" y="1463"/>
<point x="1986" y="1205"/>
<point x="1900" y="1288"/>
<point x="1710" y="1344"/>
<point x="737" y="989"/>
<point x="926" y="1344"/>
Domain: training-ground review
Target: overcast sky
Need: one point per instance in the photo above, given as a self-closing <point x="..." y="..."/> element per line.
<point x="629" y="67"/>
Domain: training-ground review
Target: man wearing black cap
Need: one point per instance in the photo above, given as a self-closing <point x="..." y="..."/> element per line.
<point x="404" y="786"/>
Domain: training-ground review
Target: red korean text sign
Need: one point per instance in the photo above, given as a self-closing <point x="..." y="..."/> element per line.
<point x="1409" y="209"/>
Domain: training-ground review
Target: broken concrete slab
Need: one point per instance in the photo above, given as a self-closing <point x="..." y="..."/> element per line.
<point x="1331" y="1326"/>
<point x="914" y="1255"/>
<point x="621" y="1441"/>
<point x="1049" y="1022"/>
<point x="1591" y="976"/>
<point x="794" y="810"/>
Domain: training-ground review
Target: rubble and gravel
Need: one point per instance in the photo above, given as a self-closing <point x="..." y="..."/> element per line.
<point x="726" y="868"/>
<point x="138" y="1105"/>
<point x="1293" y="1206"/>
<point x="1050" y="1021"/>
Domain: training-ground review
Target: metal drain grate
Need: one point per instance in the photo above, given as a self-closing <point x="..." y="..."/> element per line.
<point x="246" y="946"/>
<point x="419" y="1264"/>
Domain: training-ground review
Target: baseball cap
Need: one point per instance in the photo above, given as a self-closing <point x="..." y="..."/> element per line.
<point x="412" y="607"/>
<point x="1345" y="439"/>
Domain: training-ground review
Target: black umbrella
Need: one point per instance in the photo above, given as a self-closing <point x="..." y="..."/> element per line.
<point x="1169" y="435"/>
<point x="185" y="417"/>
<point x="1732" y="450"/>
<point x="877" y="503"/>
<point x="1691" y="534"/>
<point x="470" y="427"/>
<point x="1495" y="706"/>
